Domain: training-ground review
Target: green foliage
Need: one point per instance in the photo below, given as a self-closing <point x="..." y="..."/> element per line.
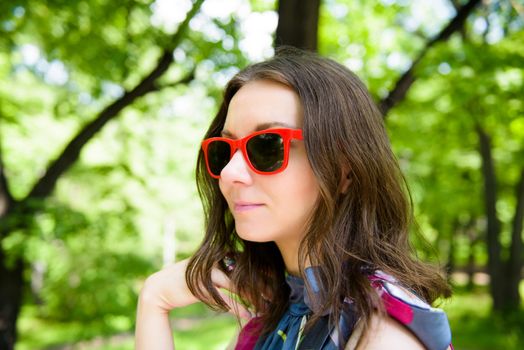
<point x="440" y="133"/>
<point x="194" y="328"/>
<point x="473" y="78"/>
<point x="102" y="232"/>
<point x="90" y="246"/>
<point x="474" y="327"/>
<point x="370" y="37"/>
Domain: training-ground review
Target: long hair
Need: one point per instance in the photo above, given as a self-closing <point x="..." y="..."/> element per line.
<point x="366" y="226"/>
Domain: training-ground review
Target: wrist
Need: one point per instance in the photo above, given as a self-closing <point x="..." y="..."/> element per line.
<point x="150" y="299"/>
<point x="167" y="289"/>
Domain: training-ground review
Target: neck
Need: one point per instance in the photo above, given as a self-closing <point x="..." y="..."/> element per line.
<point x="289" y="252"/>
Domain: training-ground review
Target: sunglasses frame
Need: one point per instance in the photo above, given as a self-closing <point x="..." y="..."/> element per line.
<point x="287" y="135"/>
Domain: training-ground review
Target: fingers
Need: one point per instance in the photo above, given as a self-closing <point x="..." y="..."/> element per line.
<point x="235" y="307"/>
<point x="220" y="279"/>
<point x="167" y="288"/>
<point x="226" y="290"/>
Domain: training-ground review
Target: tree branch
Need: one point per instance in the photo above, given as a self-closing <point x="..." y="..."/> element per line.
<point x="71" y="152"/>
<point x="408" y="78"/>
<point x="185" y="80"/>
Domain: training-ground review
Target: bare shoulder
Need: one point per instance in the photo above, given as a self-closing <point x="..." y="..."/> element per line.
<point x="386" y="333"/>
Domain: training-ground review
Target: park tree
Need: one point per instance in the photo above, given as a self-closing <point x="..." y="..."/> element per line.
<point x="440" y="86"/>
<point x="468" y="96"/>
<point x="424" y="62"/>
<point x="106" y="57"/>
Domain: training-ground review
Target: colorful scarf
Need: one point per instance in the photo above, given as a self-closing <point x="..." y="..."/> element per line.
<point x="428" y="324"/>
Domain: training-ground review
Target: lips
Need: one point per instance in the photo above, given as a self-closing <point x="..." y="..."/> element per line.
<point x="246" y="206"/>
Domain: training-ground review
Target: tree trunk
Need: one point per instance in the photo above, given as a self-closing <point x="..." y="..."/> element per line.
<point x="298" y="24"/>
<point x="495" y="265"/>
<point x="470" y="268"/>
<point x="512" y="295"/>
<point x="11" y="286"/>
<point x="473" y="237"/>
<point x="451" y="263"/>
<point x="11" y="277"/>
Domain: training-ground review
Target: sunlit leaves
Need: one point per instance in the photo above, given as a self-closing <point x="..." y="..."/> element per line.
<point x="133" y="185"/>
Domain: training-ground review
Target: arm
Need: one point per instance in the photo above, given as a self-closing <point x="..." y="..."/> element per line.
<point x="152" y="327"/>
<point x="164" y="291"/>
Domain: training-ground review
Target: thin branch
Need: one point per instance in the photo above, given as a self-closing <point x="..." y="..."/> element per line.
<point x="408" y="78"/>
<point x="419" y="33"/>
<point x="486" y="30"/>
<point x="71" y="152"/>
<point x="183" y="81"/>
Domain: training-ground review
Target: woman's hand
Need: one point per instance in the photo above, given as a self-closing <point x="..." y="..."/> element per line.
<point x="166" y="290"/>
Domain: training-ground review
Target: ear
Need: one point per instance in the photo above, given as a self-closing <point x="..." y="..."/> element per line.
<point x="345" y="180"/>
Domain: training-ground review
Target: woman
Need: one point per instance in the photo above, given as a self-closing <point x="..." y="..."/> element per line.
<point x="307" y="220"/>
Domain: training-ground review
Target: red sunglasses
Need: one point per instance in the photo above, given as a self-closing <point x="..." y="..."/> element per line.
<point x="266" y="152"/>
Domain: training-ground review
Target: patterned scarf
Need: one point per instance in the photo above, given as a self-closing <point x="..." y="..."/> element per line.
<point x="288" y="333"/>
<point x="428" y="324"/>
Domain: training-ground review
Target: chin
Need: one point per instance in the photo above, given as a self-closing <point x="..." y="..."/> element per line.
<point x="253" y="236"/>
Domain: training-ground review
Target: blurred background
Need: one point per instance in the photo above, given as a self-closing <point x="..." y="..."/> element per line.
<point x="103" y="105"/>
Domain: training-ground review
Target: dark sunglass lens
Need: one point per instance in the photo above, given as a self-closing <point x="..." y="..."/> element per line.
<point x="218" y="155"/>
<point x="266" y="151"/>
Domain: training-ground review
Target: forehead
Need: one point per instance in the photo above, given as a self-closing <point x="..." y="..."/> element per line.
<point x="262" y="104"/>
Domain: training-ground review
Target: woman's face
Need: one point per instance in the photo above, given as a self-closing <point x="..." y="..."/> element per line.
<point x="268" y="207"/>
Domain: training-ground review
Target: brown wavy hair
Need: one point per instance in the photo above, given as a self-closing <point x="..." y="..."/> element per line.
<point x="367" y="226"/>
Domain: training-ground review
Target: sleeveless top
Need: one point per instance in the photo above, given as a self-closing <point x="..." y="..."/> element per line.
<point x="429" y="325"/>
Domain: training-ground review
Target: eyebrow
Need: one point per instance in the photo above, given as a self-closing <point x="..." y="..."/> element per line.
<point x="262" y="126"/>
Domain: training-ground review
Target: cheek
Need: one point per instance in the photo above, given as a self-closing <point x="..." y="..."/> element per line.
<point x="297" y="193"/>
<point x="222" y="187"/>
<point x="225" y="189"/>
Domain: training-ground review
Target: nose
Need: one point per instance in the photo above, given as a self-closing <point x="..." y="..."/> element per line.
<point x="237" y="170"/>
